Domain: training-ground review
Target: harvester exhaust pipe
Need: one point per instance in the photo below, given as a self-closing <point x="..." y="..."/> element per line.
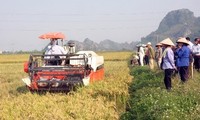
<point x="71" y="45"/>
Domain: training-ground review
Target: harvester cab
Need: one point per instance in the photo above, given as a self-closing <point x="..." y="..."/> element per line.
<point x="62" y="72"/>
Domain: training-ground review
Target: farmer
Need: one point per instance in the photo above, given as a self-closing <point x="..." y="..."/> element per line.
<point x="141" y="55"/>
<point x="191" y="59"/>
<point x="196" y="54"/>
<point x="158" y="54"/>
<point x="168" y="62"/>
<point x="146" y="58"/>
<point x="54" y="49"/>
<point x="151" y="55"/>
<point x="183" y="53"/>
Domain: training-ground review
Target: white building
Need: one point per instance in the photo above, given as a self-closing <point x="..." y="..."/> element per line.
<point x="1" y="52"/>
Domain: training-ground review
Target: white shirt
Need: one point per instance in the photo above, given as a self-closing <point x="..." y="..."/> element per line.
<point x="196" y="49"/>
<point x="55" y="49"/>
<point x="141" y="51"/>
<point x="190" y="45"/>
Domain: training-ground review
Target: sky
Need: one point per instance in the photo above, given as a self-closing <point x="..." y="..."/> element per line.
<point x="22" y="21"/>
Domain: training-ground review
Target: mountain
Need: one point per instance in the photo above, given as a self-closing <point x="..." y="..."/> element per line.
<point x="110" y="45"/>
<point x="177" y="23"/>
<point x="105" y="45"/>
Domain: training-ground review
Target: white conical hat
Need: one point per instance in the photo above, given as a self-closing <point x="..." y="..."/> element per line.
<point x="158" y="44"/>
<point x="149" y="43"/>
<point x="182" y="40"/>
<point x="140" y="45"/>
<point x="167" y="41"/>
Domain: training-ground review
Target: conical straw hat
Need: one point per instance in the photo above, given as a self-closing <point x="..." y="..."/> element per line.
<point x="140" y="45"/>
<point x="182" y="40"/>
<point x="149" y="43"/>
<point x="167" y="42"/>
<point x="158" y="44"/>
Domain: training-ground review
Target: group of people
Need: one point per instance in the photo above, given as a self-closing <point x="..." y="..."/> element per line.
<point x="147" y="54"/>
<point x="171" y="57"/>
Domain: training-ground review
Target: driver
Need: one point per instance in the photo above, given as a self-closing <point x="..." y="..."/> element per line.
<point x="54" y="49"/>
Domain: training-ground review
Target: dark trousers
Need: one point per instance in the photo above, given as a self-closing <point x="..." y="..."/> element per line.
<point x="55" y="61"/>
<point x="183" y="71"/>
<point x="146" y="59"/>
<point x="139" y="61"/>
<point x="167" y="78"/>
<point x="197" y="62"/>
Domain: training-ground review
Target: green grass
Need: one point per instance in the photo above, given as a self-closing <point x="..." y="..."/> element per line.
<point x="149" y="99"/>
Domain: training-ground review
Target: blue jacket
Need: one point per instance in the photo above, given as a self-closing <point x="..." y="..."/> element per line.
<point x="168" y="59"/>
<point x="183" y="56"/>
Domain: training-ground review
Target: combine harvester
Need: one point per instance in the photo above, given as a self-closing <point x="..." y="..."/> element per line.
<point x="67" y="71"/>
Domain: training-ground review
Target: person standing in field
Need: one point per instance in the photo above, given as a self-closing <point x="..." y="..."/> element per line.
<point x="190" y="44"/>
<point x="196" y="54"/>
<point x="158" y="54"/>
<point x="141" y="55"/>
<point x="151" y="55"/>
<point x="168" y="64"/>
<point x="146" y="58"/>
<point x="183" y="53"/>
<point x="191" y="59"/>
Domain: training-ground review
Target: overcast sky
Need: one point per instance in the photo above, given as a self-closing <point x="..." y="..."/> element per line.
<point x="22" y="21"/>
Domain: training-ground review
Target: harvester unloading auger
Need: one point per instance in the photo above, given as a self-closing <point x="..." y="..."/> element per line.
<point x="69" y="70"/>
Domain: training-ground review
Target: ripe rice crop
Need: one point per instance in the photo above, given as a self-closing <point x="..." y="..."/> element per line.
<point x="13" y="58"/>
<point x="105" y="99"/>
<point x="116" y="56"/>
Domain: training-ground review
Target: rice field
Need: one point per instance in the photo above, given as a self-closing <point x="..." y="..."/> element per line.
<point x="103" y="100"/>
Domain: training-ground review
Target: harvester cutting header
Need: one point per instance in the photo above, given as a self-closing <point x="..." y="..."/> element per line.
<point x="61" y="68"/>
